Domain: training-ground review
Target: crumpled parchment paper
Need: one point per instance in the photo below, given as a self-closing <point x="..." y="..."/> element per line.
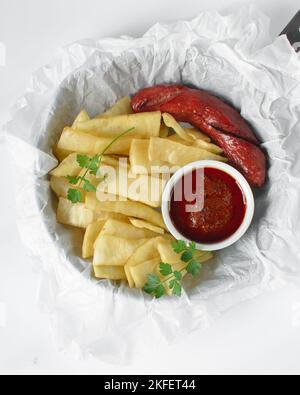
<point x="231" y="56"/>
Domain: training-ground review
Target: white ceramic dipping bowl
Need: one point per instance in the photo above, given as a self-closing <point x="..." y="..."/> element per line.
<point x="245" y="187"/>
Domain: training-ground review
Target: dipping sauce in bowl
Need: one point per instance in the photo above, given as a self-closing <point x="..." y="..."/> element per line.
<point x="216" y="212"/>
<point x="223" y="212"/>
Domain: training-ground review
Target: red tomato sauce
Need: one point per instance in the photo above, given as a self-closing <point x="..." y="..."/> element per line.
<point x="223" y="213"/>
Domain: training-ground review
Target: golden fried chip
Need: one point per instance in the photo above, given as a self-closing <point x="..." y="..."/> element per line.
<point x="129" y="277"/>
<point x="146" y="252"/>
<point x="164" y="131"/>
<point x="68" y="167"/>
<point x="208" y="147"/>
<point x="146" y="225"/>
<point x="130" y="209"/>
<point x="179" y="154"/>
<point x="192" y="137"/>
<point x="176" y="139"/>
<point x="197" y="135"/>
<point x="115" y="161"/>
<point x="140" y="161"/>
<point x="167" y="254"/>
<point x="74" y="214"/>
<point x="145" y="125"/>
<point x="83" y="116"/>
<point x="84" y="143"/>
<point x="60" y="186"/>
<point x="198" y="144"/>
<point x="114" y="251"/>
<point x="119" y="228"/>
<point x="113" y="273"/>
<point x="91" y="234"/>
<point x="60" y="154"/>
<point x="140" y="273"/>
<point x="139" y="158"/>
<point x="78" y="215"/>
<point x="95" y="200"/>
<point x="109" y="197"/>
<point x="139" y="188"/>
<point x="122" y="107"/>
<point x="171" y="122"/>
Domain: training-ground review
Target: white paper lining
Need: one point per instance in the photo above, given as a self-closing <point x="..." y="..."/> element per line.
<point x="232" y="57"/>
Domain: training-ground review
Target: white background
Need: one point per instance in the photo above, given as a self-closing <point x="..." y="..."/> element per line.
<point x="259" y="336"/>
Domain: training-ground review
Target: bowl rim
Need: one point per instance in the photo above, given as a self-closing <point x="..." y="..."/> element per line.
<point x="244" y="185"/>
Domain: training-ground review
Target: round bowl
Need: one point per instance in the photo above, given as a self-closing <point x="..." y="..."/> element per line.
<point x="245" y="187"/>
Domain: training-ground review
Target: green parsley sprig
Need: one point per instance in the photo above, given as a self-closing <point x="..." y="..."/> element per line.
<point x="158" y="287"/>
<point x="92" y="166"/>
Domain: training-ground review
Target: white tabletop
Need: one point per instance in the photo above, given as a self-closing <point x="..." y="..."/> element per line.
<point x="258" y="336"/>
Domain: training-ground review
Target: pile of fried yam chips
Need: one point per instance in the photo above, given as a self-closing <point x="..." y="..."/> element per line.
<point x="124" y="230"/>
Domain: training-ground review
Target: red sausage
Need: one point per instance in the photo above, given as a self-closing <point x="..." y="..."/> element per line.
<point x="248" y="158"/>
<point x="181" y="101"/>
<point x="214" y="117"/>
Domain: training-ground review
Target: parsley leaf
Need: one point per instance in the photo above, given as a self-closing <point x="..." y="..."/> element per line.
<point x="156" y="287"/>
<point x="83" y="161"/>
<point x="149" y="289"/>
<point x="75" y="196"/>
<point x="194" y="267"/>
<point x="160" y="291"/>
<point x="178" y="276"/>
<point x="153" y="279"/>
<point x="73" y="180"/>
<point x="172" y="283"/>
<point x="179" y="246"/>
<point x="89" y="187"/>
<point x="152" y="284"/>
<point x="187" y="256"/>
<point x="177" y="289"/>
<point x="192" y="247"/>
<point x="166" y="269"/>
<point x="92" y="166"/>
